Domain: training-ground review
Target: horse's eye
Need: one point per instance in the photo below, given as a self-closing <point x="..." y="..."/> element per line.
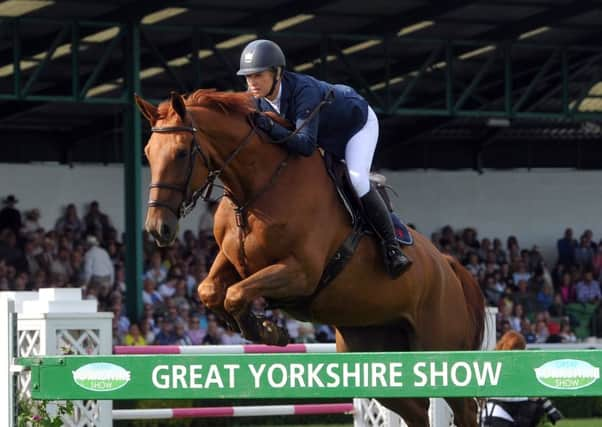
<point x="181" y="154"/>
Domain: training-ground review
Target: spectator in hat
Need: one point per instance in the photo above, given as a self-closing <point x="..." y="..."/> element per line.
<point x="32" y="221"/>
<point x="99" y="271"/>
<point x="10" y="217"/>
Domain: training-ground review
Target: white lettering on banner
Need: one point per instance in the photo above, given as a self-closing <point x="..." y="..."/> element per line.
<point x="271" y="376"/>
<point x="467" y="374"/>
<point x="160" y="380"/>
<point x="330" y="375"/>
<point x="195" y="375"/>
<point x="257" y="374"/>
<point x="488" y="372"/>
<point x="231" y="377"/>
<point x="312" y="375"/>
<point x="191" y="376"/>
<point x="353" y="374"/>
<point x="330" y="370"/>
<point x="460" y="374"/>
<point x="394" y="374"/>
<point x="297" y="371"/>
<point x="213" y="377"/>
<point x="178" y="373"/>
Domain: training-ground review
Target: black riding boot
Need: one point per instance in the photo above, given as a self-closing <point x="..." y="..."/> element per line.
<point x="378" y="215"/>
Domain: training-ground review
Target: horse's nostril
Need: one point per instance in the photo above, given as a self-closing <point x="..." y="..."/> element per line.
<point x="164" y="229"/>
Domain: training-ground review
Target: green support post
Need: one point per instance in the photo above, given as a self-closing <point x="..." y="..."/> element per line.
<point x="75" y="60"/>
<point x="132" y="149"/>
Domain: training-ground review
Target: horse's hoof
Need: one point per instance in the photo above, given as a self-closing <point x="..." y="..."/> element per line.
<point x="274" y="335"/>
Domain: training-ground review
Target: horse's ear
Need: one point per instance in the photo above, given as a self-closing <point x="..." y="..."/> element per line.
<point x="148" y="110"/>
<point x="178" y="105"/>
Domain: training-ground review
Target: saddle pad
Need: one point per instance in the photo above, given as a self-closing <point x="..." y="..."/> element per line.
<point x="401" y="231"/>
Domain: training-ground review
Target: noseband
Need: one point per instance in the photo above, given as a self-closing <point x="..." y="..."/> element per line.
<point x="204" y="192"/>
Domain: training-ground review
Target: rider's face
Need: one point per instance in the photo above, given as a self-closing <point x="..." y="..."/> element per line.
<point x="260" y="83"/>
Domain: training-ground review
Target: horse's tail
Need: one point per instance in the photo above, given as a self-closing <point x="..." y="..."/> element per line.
<point x="474" y="300"/>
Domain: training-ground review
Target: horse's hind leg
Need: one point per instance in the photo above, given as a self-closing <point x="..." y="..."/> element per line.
<point x="465" y="411"/>
<point x="212" y="290"/>
<point x="387" y="338"/>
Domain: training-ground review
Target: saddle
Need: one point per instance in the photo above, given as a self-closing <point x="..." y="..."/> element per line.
<point x="338" y="172"/>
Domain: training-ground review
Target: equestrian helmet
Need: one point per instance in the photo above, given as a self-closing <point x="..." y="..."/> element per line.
<point x="260" y="55"/>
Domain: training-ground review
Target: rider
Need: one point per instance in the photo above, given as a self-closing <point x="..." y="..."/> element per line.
<point x="347" y="128"/>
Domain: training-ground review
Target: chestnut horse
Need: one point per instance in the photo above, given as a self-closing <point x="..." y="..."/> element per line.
<point x="277" y="228"/>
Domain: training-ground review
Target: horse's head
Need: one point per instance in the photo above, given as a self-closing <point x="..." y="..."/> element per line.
<point x="172" y="152"/>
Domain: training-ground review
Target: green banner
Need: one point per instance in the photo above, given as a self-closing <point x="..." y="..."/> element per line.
<point x="424" y="374"/>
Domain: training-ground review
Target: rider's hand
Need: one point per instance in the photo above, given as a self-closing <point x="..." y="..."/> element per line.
<point x="263" y="122"/>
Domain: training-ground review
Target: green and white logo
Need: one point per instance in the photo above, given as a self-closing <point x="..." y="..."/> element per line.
<point x="567" y="374"/>
<point x="101" y="377"/>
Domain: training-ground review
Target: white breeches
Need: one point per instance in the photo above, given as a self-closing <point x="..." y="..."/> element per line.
<point x="359" y="153"/>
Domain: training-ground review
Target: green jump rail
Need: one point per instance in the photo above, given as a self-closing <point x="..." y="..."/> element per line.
<point x="271" y="376"/>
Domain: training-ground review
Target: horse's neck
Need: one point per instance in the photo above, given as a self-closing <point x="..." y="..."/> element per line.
<point x="252" y="168"/>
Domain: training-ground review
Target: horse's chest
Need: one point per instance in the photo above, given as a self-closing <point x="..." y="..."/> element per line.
<point x="259" y="246"/>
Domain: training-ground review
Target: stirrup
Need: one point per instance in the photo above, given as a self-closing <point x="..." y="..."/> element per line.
<point x="396" y="261"/>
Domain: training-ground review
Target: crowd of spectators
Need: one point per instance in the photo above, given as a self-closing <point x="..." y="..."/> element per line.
<point x="558" y="304"/>
<point x="88" y="253"/>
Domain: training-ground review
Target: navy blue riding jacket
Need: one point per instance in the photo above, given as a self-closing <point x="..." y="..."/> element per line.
<point x="331" y="128"/>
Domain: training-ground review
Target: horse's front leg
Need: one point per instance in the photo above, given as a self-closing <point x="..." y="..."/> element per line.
<point x="212" y="290"/>
<point x="283" y="280"/>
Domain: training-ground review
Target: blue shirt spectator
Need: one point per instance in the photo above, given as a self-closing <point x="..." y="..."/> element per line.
<point x="588" y="290"/>
<point x="566" y="248"/>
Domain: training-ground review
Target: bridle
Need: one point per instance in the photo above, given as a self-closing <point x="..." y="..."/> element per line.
<point x="204" y="192"/>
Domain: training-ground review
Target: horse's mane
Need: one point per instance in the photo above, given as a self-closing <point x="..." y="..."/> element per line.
<point x="226" y="102"/>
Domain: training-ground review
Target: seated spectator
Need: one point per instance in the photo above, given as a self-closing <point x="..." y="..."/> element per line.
<point x="524" y="297"/>
<point x="134" y="337"/>
<point x="557" y="308"/>
<point x="214" y="333"/>
<point x="545" y="297"/>
<point x="166" y="335"/>
<point x="518" y="314"/>
<point x="527" y="331"/>
<point x="156" y="270"/>
<point x="195" y="332"/>
<point x="499" y="251"/>
<point x="521" y="273"/>
<point x="597" y="263"/>
<point x="147" y="332"/>
<point x="566" y="334"/>
<point x="493" y="290"/>
<point x="229" y="337"/>
<point x="307" y="333"/>
<point x="567" y="289"/>
<point x="470" y="238"/>
<point x="588" y="290"/>
<point x="150" y="295"/>
<point x="474" y="266"/>
<point x="181" y="334"/>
